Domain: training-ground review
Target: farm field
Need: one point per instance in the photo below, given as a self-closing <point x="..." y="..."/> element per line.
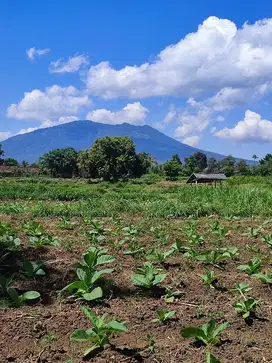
<point x="205" y="256"/>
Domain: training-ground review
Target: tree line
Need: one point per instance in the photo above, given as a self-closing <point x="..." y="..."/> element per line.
<point x="115" y="158"/>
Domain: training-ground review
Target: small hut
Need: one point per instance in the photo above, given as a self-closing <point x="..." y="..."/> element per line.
<point x="200" y="178"/>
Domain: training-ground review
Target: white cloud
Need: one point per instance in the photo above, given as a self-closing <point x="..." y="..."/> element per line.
<point x="213" y="129"/>
<point x="252" y="129"/>
<point x="5" y="135"/>
<point x="67" y="119"/>
<point x="55" y="101"/>
<point x="217" y="56"/>
<point x="33" y="53"/>
<point x="191" y="140"/>
<point x="73" y="64"/>
<point x="133" y="113"/>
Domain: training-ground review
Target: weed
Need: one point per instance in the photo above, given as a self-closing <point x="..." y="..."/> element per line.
<point x="99" y="334"/>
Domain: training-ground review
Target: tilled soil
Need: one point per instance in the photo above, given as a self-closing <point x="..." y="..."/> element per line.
<point x="40" y="332"/>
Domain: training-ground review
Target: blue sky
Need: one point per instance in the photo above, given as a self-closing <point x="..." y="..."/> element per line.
<point x="200" y="72"/>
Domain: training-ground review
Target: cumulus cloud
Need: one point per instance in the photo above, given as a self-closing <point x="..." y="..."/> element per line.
<point x="191" y="140"/>
<point x="73" y="64"/>
<point x="55" y="101"/>
<point x="252" y="129"/>
<point x="217" y="56"/>
<point x="33" y="53"/>
<point x="133" y="113"/>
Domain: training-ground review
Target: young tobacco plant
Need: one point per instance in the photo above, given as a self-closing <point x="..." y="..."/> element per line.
<point x="252" y="267"/>
<point x="171" y="295"/>
<point x="33" y="268"/>
<point x="209" y="278"/>
<point x="10" y="297"/>
<point x="266" y="278"/>
<point x="207" y="333"/>
<point x="159" y="256"/>
<point x="148" y="276"/>
<point x="88" y="275"/>
<point x="246" y="307"/>
<point x="163" y="316"/>
<point x="214" y="257"/>
<point x="99" y="334"/>
<point x="253" y="232"/>
<point x="97" y="231"/>
<point x="242" y="289"/>
<point x="210" y="358"/>
<point x="268" y="239"/>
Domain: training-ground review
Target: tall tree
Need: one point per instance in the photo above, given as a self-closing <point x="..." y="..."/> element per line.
<point x="172" y="168"/>
<point x="227" y="165"/>
<point x="212" y="165"/>
<point x="255" y="157"/>
<point x="60" y="162"/>
<point x="242" y="167"/>
<point x="201" y="160"/>
<point x="1" y="155"/>
<point x="113" y="158"/>
<point x="11" y="162"/>
<point x="191" y="165"/>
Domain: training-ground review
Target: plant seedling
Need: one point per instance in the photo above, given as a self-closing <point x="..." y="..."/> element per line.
<point x="209" y="278"/>
<point x="253" y="232"/>
<point x="179" y="246"/>
<point x="33" y="268"/>
<point x="266" y="278"/>
<point x="246" y="307"/>
<point x="87" y="274"/>
<point x="214" y="257"/>
<point x="33" y="228"/>
<point x="171" y="295"/>
<point x="44" y="240"/>
<point x="252" y="267"/>
<point x="65" y="223"/>
<point x="148" y="276"/>
<point x="130" y="231"/>
<point x="163" y="316"/>
<point x="99" y="334"/>
<point x="268" y="239"/>
<point x="210" y="358"/>
<point x="207" y="333"/>
<point x="134" y="249"/>
<point x="242" y="289"/>
<point x="219" y="229"/>
<point x="97" y="231"/>
<point x="159" y="256"/>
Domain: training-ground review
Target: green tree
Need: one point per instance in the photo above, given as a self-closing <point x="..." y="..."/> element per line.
<point x="144" y="162"/>
<point x="212" y="165"/>
<point x="1" y="155"/>
<point x="113" y="158"/>
<point x="176" y="158"/>
<point x="265" y="165"/>
<point x="11" y="162"/>
<point x="227" y="165"/>
<point x="255" y="157"/>
<point x="60" y="162"/>
<point x="84" y="164"/>
<point x="191" y="165"/>
<point x="25" y="164"/>
<point x="242" y="168"/>
<point x="172" y="168"/>
<point x="201" y="160"/>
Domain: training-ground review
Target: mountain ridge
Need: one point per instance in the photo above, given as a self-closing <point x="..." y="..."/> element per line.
<point x="81" y="134"/>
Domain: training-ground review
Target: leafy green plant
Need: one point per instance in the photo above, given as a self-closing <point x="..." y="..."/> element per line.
<point x="242" y="289"/>
<point x="97" y="231"/>
<point x="160" y="234"/>
<point x="88" y="275"/>
<point x="246" y="307"/>
<point x="33" y="268"/>
<point x="159" y="256"/>
<point x="171" y="295"/>
<point x="133" y="249"/>
<point x="8" y="241"/>
<point x="10" y="297"/>
<point x="214" y="257"/>
<point x="209" y="278"/>
<point x="44" y="240"/>
<point x="253" y="232"/>
<point x="207" y="333"/>
<point x="210" y="358"/>
<point x="252" y="267"/>
<point x="99" y="334"/>
<point x="179" y="246"/>
<point x="266" y="278"/>
<point x="65" y="223"/>
<point x="193" y="237"/>
<point x="163" y="316"/>
<point x="148" y="276"/>
<point x="33" y="228"/>
<point x="218" y="229"/>
<point x="130" y="231"/>
<point x="268" y="239"/>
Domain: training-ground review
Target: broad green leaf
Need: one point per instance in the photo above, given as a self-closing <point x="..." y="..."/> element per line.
<point x="220" y="328"/>
<point x="98" y="274"/>
<point x="93" y="295"/>
<point x="116" y="326"/>
<point x="91" y="349"/>
<point x="193" y="332"/>
<point x="73" y="286"/>
<point x="80" y="335"/>
<point x="105" y="259"/>
<point x="211" y="358"/>
<point x="31" y="295"/>
<point x="159" y="278"/>
<point x="90" y="315"/>
<point x="138" y="280"/>
<point x="13" y="294"/>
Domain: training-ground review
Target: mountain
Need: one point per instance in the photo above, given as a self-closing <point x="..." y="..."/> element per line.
<point x="81" y="134"/>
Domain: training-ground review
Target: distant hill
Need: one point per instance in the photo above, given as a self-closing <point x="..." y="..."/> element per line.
<point x="81" y="134"/>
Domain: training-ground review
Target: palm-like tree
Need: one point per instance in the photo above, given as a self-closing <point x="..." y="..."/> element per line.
<point x="255" y="157"/>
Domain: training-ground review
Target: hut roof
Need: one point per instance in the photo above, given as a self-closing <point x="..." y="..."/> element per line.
<point x="205" y="178"/>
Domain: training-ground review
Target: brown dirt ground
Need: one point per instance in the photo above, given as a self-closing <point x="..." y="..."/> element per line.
<point x="25" y="332"/>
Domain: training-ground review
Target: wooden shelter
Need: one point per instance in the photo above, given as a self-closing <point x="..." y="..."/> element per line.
<point x="201" y="178"/>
